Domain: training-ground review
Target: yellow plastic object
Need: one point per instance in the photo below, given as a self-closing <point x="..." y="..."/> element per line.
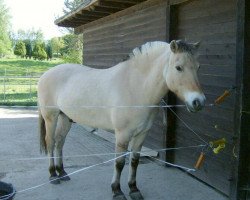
<point x="218" y="145"/>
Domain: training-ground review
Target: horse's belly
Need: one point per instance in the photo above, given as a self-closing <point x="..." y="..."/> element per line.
<point x="93" y="117"/>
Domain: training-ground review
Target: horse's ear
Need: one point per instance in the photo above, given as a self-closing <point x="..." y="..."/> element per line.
<point x="197" y="45"/>
<point x="173" y="46"/>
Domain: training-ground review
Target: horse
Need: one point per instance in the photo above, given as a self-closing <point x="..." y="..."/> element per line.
<point x="75" y="93"/>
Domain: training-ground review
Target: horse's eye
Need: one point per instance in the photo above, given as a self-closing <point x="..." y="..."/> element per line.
<point x="179" y="68"/>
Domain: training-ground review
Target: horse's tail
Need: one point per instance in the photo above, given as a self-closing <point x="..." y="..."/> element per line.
<point x="42" y="133"/>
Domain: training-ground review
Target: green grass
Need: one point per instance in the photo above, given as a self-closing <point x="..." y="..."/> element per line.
<point x="20" y="67"/>
<point x="17" y="89"/>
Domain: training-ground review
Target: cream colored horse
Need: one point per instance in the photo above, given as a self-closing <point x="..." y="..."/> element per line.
<point x="101" y="98"/>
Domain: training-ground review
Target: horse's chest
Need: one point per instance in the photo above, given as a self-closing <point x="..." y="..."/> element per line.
<point x="142" y="121"/>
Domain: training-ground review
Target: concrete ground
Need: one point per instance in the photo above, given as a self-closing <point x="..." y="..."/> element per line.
<point x="19" y="139"/>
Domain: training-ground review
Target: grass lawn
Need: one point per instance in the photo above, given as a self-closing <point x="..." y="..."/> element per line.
<point x="19" y="90"/>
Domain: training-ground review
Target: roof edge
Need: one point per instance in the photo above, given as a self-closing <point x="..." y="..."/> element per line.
<point x="85" y="4"/>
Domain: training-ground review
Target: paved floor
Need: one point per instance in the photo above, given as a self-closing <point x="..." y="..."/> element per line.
<point x="19" y="139"/>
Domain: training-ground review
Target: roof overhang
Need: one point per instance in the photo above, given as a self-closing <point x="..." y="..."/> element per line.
<point x="91" y="10"/>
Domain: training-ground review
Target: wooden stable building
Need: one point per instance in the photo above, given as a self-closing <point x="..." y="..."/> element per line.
<point x="112" y="28"/>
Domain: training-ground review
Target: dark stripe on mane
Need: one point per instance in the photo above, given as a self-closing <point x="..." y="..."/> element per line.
<point x="139" y="49"/>
<point x="185" y="47"/>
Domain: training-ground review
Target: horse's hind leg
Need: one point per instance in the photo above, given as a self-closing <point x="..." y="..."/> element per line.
<point x="121" y="147"/>
<point x="50" y="118"/>
<point x="62" y="129"/>
<point x="136" y="145"/>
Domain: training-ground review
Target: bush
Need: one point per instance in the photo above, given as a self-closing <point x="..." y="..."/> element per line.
<point x="39" y="52"/>
<point x="20" y="49"/>
<point x="28" y="48"/>
<point x="49" y="52"/>
<point x="73" y="57"/>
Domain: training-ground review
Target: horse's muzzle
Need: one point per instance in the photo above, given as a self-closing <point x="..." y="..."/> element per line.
<point x="195" y="101"/>
<point x="196" y="105"/>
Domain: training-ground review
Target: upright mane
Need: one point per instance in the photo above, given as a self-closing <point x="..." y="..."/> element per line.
<point x="157" y="46"/>
<point x="147" y="49"/>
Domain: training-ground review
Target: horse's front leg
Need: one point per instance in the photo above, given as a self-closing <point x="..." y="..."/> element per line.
<point x="136" y="145"/>
<point x="121" y="147"/>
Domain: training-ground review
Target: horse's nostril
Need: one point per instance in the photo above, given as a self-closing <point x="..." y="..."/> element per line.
<point x="196" y="104"/>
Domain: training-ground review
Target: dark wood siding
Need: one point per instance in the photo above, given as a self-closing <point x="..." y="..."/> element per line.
<point x="108" y="43"/>
<point x="213" y="23"/>
<point x="241" y="184"/>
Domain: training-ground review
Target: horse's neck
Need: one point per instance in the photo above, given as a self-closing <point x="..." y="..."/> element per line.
<point x="153" y="84"/>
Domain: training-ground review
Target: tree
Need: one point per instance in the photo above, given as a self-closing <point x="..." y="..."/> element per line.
<point x="20" y="49"/>
<point x="71" y="5"/>
<point x="57" y="44"/>
<point x="28" y="47"/>
<point x="72" y="50"/>
<point x="39" y="52"/>
<point x="5" y="42"/>
<point x="49" y="51"/>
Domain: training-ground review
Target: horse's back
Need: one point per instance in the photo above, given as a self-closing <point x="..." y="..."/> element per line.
<point x="55" y="80"/>
<point x="63" y="71"/>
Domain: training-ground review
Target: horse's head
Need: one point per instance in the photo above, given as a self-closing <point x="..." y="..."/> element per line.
<point x="181" y="74"/>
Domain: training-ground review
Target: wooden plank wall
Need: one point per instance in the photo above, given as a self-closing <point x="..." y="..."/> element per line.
<point x="106" y="44"/>
<point x="213" y="22"/>
<point x="109" y="43"/>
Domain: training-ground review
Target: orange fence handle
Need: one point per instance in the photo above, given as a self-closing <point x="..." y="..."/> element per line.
<point x="221" y="98"/>
<point x="200" y="161"/>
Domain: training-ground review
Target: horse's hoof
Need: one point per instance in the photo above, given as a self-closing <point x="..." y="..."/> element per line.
<point x="119" y="197"/>
<point x="64" y="177"/>
<point x="136" y="195"/>
<point x="54" y="180"/>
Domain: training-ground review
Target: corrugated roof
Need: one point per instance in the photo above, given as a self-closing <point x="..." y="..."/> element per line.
<point x="91" y="10"/>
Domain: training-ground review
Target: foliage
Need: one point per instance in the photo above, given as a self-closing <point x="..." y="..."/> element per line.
<point x="71" y="5"/>
<point x="32" y="35"/>
<point x="28" y="48"/>
<point x="29" y="37"/>
<point x="72" y="51"/>
<point x="73" y="57"/>
<point x="5" y="42"/>
<point x="39" y="51"/>
<point x="20" y="49"/>
<point x="57" y="44"/>
<point x="49" y="51"/>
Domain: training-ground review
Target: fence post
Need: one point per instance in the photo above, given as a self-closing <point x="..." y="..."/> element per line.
<point x="30" y="86"/>
<point x="4" y="86"/>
